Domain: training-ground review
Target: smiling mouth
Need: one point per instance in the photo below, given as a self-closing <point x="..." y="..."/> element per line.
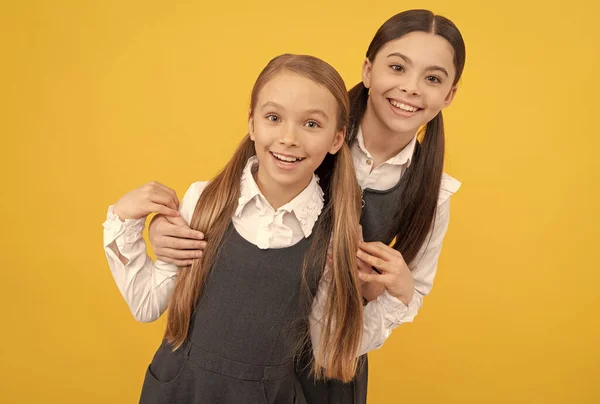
<point x="287" y="159"/>
<point x="402" y="106"/>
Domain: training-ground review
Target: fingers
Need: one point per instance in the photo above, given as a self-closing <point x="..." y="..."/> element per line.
<point x="384" y="279"/>
<point x="380" y="250"/>
<point x="179" y="229"/>
<point x="162" y="209"/>
<point x="158" y="193"/>
<point x="161" y="197"/>
<point x="178" y="243"/>
<point x="179" y="263"/>
<point x="172" y="226"/>
<point x="364" y="267"/>
<point x="175" y="254"/>
<point x="173" y="195"/>
<point x="380" y="264"/>
<point x="182" y="229"/>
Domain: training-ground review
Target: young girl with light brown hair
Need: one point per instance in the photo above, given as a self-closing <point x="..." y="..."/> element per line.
<point x="238" y="315"/>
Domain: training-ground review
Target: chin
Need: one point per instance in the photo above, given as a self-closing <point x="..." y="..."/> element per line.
<point x="401" y="126"/>
<point x="284" y="179"/>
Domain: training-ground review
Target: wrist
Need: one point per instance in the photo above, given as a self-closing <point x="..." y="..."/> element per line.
<point x="117" y="211"/>
<point x="404" y="297"/>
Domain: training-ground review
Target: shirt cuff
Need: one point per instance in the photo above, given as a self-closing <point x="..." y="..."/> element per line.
<point x="393" y="308"/>
<point x="114" y="229"/>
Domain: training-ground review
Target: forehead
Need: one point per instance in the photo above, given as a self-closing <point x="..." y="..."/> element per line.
<point x="423" y="49"/>
<point x="297" y="93"/>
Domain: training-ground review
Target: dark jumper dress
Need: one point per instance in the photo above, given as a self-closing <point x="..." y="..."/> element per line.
<point x="242" y="335"/>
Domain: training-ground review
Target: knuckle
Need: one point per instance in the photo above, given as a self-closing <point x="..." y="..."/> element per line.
<point x="181" y="255"/>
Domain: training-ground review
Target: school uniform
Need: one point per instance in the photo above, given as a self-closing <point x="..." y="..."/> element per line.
<point x="381" y="192"/>
<point x="268" y="242"/>
<point x="245" y="329"/>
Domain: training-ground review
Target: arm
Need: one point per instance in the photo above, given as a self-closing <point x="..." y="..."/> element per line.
<point x="390" y="310"/>
<point x="145" y="285"/>
<point x="387" y="311"/>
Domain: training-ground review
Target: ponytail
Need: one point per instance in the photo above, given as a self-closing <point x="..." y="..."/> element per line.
<point x="212" y="215"/>
<point x="359" y="95"/>
<point x="342" y="321"/>
<point x="421" y="184"/>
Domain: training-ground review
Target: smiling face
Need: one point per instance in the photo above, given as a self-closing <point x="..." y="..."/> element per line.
<point x="411" y="80"/>
<point x="294" y="124"/>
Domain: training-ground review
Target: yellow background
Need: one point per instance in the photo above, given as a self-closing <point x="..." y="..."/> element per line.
<point x="100" y="97"/>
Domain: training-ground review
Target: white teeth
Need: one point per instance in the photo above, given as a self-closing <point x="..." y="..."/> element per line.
<point x="403" y="107"/>
<point x="287" y="159"/>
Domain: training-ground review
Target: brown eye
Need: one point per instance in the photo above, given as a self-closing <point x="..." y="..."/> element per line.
<point x="397" y="68"/>
<point x="433" y="79"/>
<point x="273" y="118"/>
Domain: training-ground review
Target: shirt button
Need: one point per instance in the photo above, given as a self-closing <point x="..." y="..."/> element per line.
<point x="369" y="161"/>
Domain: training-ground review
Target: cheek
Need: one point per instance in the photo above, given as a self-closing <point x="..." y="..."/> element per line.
<point x="320" y="145"/>
<point x="382" y="81"/>
<point x="437" y="99"/>
<point x="263" y="134"/>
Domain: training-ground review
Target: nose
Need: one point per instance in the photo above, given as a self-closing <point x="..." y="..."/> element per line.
<point x="289" y="136"/>
<point x="410" y="85"/>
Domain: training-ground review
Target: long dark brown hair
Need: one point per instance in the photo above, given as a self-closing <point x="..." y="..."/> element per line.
<point x="422" y="180"/>
<point x="342" y="320"/>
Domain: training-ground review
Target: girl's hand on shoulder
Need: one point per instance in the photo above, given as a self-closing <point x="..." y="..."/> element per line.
<point x="394" y="275"/>
<point x="150" y="198"/>
<point x="174" y="242"/>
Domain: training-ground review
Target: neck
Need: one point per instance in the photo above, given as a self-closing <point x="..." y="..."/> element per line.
<point x="381" y="142"/>
<point x="278" y="194"/>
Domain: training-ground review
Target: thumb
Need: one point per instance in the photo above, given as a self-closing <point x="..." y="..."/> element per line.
<point x="365" y="277"/>
<point x="363" y="266"/>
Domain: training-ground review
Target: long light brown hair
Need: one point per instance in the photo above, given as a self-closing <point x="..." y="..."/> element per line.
<point x="421" y="183"/>
<point x="342" y="319"/>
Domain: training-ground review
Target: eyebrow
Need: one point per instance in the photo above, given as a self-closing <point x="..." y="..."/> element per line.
<point x="428" y="68"/>
<point x="316" y="111"/>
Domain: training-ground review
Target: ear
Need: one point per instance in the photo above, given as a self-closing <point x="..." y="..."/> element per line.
<point x="251" y="125"/>
<point x="338" y="141"/>
<point x="366" y="73"/>
<point x="450" y="97"/>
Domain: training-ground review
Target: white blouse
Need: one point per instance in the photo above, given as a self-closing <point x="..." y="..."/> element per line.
<point x="385" y="313"/>
<point x="146" y="285"/>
